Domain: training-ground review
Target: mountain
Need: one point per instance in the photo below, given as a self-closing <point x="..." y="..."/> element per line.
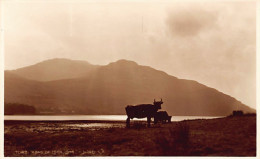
<point x="55" y="69"/>
<point x="108" y="89"/>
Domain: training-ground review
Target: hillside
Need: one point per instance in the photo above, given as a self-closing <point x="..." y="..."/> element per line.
<point x="108" y="89"/>
<point x="18" y="109"/>
<point x="55" y="69"/>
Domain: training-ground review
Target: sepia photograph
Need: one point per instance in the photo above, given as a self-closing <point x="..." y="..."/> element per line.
<point x="129" y="78"/>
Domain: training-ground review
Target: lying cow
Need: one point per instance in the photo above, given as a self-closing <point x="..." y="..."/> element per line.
<point x="162" y="116"/>
<point x="142" y="111"/>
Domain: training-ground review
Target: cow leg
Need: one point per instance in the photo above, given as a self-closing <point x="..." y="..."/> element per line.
<point x="155" y="120"/>
<point x="169" y="119"/>
<point x="128" y="122"/>
<point x="149" y="121"/>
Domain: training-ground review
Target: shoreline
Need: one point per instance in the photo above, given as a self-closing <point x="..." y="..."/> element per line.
<point x="97" y="118"/>
<point x="227" y="136"/>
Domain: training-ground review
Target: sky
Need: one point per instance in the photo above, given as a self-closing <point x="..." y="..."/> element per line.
<point x="212" y="42"/>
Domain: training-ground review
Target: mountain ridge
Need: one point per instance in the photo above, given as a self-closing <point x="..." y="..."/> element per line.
<point x="55" y="69"/>
<point x="108" y="89"/>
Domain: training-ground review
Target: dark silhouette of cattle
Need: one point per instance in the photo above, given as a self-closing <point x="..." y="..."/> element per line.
<point x="238" y="113"/>
<point x="162" y="116"/>
<point x="142" y="111"/>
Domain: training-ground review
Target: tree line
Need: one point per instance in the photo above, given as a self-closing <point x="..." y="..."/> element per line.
<point x="17" y="108"/>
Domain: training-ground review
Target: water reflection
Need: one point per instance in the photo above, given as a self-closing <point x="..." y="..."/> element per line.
<point x="97" y="125"/>
<point x="91" y="117"/>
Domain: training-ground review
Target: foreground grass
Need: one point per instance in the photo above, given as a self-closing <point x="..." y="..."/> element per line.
<point x="231" y="136"/>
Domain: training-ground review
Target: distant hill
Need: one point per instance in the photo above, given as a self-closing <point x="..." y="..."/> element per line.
<point x="108" y="89"/>
<point x="18" y="109"/>
<point x="55" y="69"/>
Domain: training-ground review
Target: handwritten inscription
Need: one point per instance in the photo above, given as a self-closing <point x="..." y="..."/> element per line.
<point x="59" y="152"/>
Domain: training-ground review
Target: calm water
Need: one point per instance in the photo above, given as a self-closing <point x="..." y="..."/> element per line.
<point x="91" y="117"/>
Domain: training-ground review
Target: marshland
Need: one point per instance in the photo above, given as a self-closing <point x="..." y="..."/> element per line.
<point x="226" y="136"/>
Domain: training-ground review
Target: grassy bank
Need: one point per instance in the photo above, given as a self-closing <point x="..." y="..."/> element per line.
<point x="230" y="136"/>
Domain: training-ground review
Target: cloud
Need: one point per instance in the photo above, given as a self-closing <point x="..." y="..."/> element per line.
<point x="215" y="44"/>
<point x="190" y="22"/>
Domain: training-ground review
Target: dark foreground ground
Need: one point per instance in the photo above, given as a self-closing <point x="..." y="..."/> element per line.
<point x="230" y="136"/>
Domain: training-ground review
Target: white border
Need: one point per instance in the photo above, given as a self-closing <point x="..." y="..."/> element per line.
<point x="2" y="75"/>
<point x="2" y="79"/>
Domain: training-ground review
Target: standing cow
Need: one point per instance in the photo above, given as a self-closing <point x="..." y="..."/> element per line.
<point x="142" y="111"/>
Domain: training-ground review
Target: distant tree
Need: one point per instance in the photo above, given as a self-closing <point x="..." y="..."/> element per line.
<point x="16" y="108"/>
